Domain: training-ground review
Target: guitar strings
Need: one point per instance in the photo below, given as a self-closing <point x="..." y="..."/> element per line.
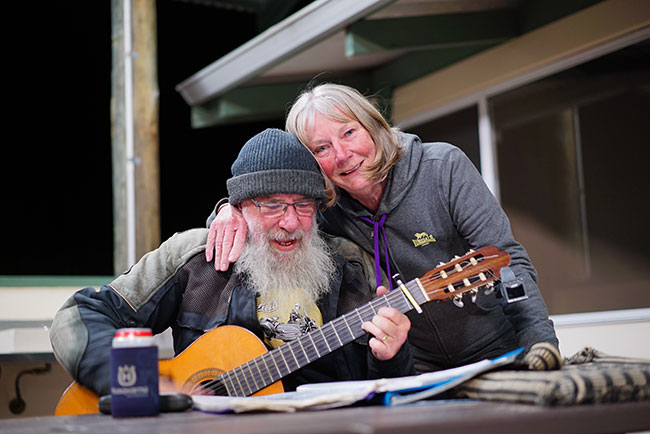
<point x="314" y="345"/>
<point x="311" y="347"/>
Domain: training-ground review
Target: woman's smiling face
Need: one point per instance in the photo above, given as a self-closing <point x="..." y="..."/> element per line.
<point x="344" y="151"/>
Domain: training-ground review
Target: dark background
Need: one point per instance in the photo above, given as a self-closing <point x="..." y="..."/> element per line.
<point x="56" y="179"/>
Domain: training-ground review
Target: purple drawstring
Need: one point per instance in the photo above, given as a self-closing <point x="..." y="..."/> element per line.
<point x="377" y="225"/>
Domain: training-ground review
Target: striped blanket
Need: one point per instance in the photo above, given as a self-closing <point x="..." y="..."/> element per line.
<point x="588" y="377"/>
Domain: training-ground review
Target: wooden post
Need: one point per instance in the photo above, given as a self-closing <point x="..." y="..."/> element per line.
<point x="136" y="124"/>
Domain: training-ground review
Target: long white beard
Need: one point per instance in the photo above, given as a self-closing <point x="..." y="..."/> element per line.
<point x="306" y="270"/>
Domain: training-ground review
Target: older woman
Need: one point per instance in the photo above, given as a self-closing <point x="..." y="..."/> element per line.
<point x="412" y="205"/>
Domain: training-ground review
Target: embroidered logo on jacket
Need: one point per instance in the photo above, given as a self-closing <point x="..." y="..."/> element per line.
<point x="422" y="239"/>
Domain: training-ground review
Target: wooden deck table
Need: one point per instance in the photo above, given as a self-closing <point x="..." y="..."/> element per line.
<point x="424" y="417"/>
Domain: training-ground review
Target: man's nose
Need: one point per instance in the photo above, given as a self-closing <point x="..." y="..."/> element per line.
<point x="289" y="220"/>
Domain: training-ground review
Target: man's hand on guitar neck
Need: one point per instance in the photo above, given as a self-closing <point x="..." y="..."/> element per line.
<point x="389" y="327"/>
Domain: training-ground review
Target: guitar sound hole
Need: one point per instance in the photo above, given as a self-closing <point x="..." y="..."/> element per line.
<point x="205" y="382"/>
<point x="212" y="387"/>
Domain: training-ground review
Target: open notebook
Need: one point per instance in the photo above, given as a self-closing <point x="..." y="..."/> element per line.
<point x="393" y="391"/>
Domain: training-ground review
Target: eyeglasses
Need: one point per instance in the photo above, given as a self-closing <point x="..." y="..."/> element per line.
<point x="305" y="208"/>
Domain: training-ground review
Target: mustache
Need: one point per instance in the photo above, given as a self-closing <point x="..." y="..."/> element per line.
<point x="284" y="235"/>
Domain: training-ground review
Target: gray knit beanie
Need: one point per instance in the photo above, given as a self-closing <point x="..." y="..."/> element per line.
<point x="274" y="162"/>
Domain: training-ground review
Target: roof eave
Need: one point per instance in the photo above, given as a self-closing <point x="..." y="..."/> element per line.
<point x="301" y="30"/>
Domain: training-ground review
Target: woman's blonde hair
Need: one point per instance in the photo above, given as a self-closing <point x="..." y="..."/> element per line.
<point x="341" y="103"/>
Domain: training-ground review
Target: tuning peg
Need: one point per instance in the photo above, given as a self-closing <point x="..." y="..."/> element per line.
<point x="489" y="288"/>
<point x="474" y="293"/>
<point x="458" y="300"/>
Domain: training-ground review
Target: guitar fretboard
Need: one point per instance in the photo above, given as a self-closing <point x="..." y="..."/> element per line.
<point x="280" y="362"/>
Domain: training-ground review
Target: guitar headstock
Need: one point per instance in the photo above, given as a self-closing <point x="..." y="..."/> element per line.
<point x="470" y="272"/>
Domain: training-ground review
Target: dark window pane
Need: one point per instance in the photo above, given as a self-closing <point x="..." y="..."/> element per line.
<point x="573" y="154"/>
<point x="459" y="128"/>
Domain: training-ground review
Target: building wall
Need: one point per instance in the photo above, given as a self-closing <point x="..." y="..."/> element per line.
<point x="521" y="60"/>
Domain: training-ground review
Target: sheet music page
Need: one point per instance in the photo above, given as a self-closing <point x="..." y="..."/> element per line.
<point x="286" y="402"/>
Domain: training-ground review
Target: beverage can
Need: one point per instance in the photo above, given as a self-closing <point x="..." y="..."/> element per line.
<point x="134" y="373"/>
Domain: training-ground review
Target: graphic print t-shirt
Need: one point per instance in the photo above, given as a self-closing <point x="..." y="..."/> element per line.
<point x="284" y="322"/>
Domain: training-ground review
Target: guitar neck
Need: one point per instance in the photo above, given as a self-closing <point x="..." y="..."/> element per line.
<point x="282" y="361"/>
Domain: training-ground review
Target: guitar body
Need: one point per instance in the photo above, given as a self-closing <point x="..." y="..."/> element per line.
<point x="217" y="351"/>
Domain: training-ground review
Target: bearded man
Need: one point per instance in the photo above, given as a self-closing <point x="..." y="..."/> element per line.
<point x="287" y="282"/>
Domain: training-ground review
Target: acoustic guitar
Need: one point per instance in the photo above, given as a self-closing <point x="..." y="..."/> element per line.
<point x="232" y="361"/>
